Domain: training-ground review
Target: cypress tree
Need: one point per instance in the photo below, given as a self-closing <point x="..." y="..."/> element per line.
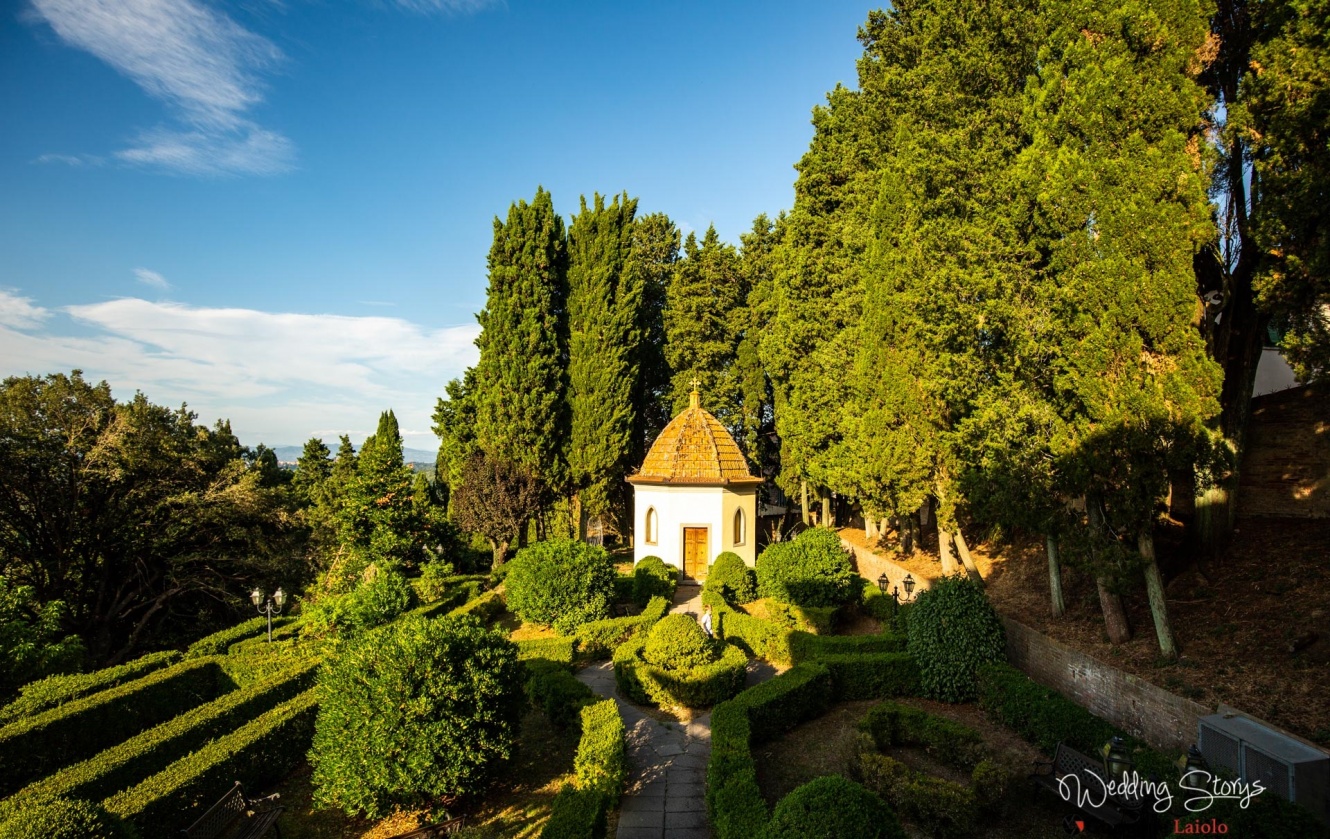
<point x="520" y="388"/>
<point x="604" y="305"/>
<point x="455" y="426"/>
<point x="651" y="262"/>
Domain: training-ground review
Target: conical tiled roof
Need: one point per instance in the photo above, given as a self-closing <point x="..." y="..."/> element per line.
<point x="695" y="449"/>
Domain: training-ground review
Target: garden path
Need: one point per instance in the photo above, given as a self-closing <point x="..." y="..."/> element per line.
<point x="667" y="760"/>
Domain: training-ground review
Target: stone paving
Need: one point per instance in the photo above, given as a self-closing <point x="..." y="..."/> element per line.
<point x="667" y="761"/>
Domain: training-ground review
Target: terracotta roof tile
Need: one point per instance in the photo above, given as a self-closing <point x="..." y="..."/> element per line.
<point x="695" y="449"/>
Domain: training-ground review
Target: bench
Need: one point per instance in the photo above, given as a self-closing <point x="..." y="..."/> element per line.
<point x="1090" y="777"/>
<point x="235" y="808"/>
<point x="434" y="831"/>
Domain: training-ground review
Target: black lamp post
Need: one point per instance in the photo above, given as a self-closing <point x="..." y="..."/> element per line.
<point x="908" y="582"/>
<point x="882" y="583"/>
<point x="1192" y="761"/>
<point x="272" y="606"/>
<point x="1117" y="759"/>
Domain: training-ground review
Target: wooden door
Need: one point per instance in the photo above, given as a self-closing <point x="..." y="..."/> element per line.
<point x="695" y="552"/>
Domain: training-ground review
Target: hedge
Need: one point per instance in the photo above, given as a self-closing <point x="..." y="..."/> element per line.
<point x="599" y="639"/>
<point x="257" y="754"/>
<point x="696" y="687"/>
<point x="872" y="675"/>
<point x="623" y="588"/>
<point x="785" y="645"/>
<point x="458" y="590"/>
<point x="892" y="724"/>
<point x="257" y="664"/>
<point x="36" y="747"/>
<point x="486" y="607"/>
<point x="53" y="691"/>
<point x="833" y="807"/>
<point x="287" y="631"/>
<point x="218" y="642"/>
<point x="942" y="809"/>
<point x="560" y="650"/>
<point x="551" y="689"/>
<point x="653" y="578"/>
<point x="892" y="613"/>
<point x="806" y="647"/>
<point x="579" y="809"/>
<point x="122" y="766"/>
<point x="734" y="800"/>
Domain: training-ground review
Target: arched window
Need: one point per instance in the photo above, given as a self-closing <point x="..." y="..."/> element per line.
<point x="651" y="525"/>
<point x="739" y="526"/>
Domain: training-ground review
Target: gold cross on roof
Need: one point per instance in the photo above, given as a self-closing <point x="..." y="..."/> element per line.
<point x="696" y="382"/>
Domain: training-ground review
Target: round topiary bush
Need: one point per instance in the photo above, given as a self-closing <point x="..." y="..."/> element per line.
<point x="561" y="583"/>
<point x="952" y="631"/>
<point x="833" y="807"/>
<point x="62" y="818"/>
<point x="677" y="642"/>
<point x="732" y="579"/>
<point x="811" y="570"/>
<point x="376" y="600"/>
<point x="414" y="711"/>
<point x="653" y="578"/>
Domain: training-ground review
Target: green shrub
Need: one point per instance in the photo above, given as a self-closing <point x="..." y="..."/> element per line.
<point x="551" y="649"/>
<point x="758" y="638"/>
<point x="799" y="694"/>
<point x="139" y="757"/>
<point x="677" y="642"/>
<point x="806" y="647"/>
<point x="892" y="724"/>
<point x="953" y="632"/>
<point x="694" y="687"/>
<point x="432" y="584"/>
<point x="599" y="764"/>
<point x="415" y="711"/>
<point x="485" y="608"/>
<point x="891" y="612"/>
<point x="40" y="745"/>
<point x="288" y="631"/>
<point x="732" y="579"/>
<point x="599" y="639"/>
<point x="218" y="642"/>
<point x="33" y="643"/>
<point x="872" y="675"/>
<point x="576" y="814"/>
<point x="653" y="578"/>
<point x="555" y="692"/>
<point x="373" y="602"/>
<point x="739" y="809"/>
<point x="991" y="784"/>
<point x="833" y="807"/>
<point x="561" y="583"/>
<point x="258" y="754"/>
<point x="53" y="691"/>
<point x="942" y="809"/>
<point x="63" y="818"/>
<point x="259" y="663"/>
<point x="811" y="570"/>
<point x="623" y="588"/>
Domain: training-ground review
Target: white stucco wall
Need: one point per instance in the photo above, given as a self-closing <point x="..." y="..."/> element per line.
<point x="678" y="507"/>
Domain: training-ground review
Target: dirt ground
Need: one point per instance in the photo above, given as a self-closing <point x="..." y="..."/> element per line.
<point x="1253" y="627"/>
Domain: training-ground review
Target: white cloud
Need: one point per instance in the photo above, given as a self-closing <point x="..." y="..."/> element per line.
<point x="151" y="278"/>
<point x="200" y="62"/>
<point x="18" y="312"/>
<point x="69" y="159"/>
<point x="460" y="7"/>
<point x="279" y="377"/>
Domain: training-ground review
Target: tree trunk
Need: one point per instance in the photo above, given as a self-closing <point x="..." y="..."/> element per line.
<point x="803" y="501"/>
<point x="579" y="516"/>
<point x="967" y="560"/>
<point x="944" y="552"/>
<point x="870" y="529"/>
<point x="1115" y="617"/>
<point x="500" y="549"/>
<point x="827" y="519"/>
<point x="1154" y="583"/>
<point x="1055" y="577"/>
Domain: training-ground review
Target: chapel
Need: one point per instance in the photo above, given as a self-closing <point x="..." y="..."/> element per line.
<point x="694" y="497"/>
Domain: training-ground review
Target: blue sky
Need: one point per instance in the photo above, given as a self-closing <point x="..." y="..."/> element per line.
<point x="278" y="211"/>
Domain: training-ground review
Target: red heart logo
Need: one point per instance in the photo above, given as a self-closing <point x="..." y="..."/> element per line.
<point x="1080" y="825"/>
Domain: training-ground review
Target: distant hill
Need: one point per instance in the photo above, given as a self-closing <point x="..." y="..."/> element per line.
<point x="290" y="454"/>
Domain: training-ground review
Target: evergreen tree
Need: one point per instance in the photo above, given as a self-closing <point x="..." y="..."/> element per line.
<point x="604" y="305"/>
<point x="375" y="517"/>
<point x="520" y="383"/>
<point x="758" y="255"/>
<point x="702" y="316"/>
<point x="312" y="468"/>
<point x="455" y="425"/>
<point x="651" y="263"/>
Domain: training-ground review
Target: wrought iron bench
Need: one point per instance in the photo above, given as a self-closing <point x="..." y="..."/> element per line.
<point x="434" y="831"/>
<point x="1090" y="775"/>
<point x="235" y="808"/>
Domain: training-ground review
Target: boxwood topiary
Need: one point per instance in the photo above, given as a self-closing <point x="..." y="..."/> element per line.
<point x="63" y="818"/>
<point x="653" y="578"/>
<point x="561" y="583"/>
<point x="677" y="642"/>
<point x="833" y="807"/>
<point x="415" y="711"/>
<point x="731" y="577"/>
<point x="812" y="570"/>
<point x="953" y="631"/>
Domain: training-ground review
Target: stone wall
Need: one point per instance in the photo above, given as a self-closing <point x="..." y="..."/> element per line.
<point x="1286" y="468"/>
<point x="1153" y="714"/>
<point x="871" y="566"/>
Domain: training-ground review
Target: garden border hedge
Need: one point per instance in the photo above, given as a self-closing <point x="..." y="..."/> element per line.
<point x="257" y="754"/>
<point x="146" y="754"/>
<point x="580" y="807"/>
<point x="698" y="687"/>
<point x="599" y="639"/>
<point x="53" y="691"/>
<point x="558" y="649"/>
<point x="78" y="730"/>
<point x="218" y="642"/>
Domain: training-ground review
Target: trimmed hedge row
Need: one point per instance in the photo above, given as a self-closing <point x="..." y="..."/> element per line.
<point x="120" y="767"/>
<point x="218" y="642"/>
<point x="550" y="688"/>
<point x="560" y="650"/>
<point x="806" y="647"/>
<point x="785" y="645"/>
<point x="872" y="675"/>
<point x="486" y="607"/>
<point x="940" y="808"/>
<point x="459" y="591"/>
<point x="580" y="807"/>
<point x="652" y="578"/>
<point x="257" y="664"/>
<point x="53" y="691"/>
<point x="36" y="747"/>
<point x="734" y="800"/>
<point x="695" y="687"/>
<point x="288" y="630"/>
<point x="257" y="754"/>
<point x="599" y="639"/>
<point x="892" y="724"/>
